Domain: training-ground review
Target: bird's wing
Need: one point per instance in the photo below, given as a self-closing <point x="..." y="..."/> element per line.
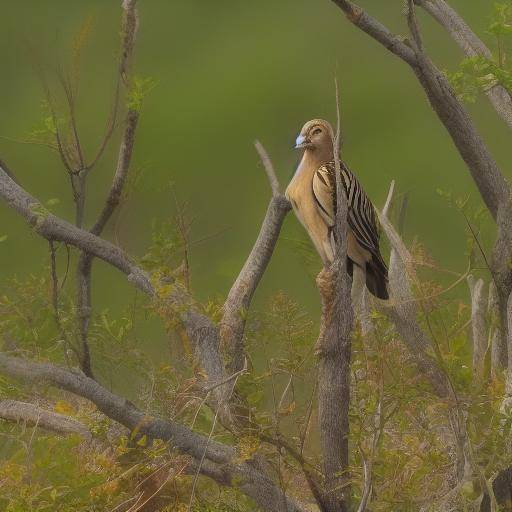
<point x="361" y="214"/>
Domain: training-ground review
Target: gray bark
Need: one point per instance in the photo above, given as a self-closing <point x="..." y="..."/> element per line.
<point x="220" y="460"/>
<point x="16" y="411"/>
<point x="472" y="46"/>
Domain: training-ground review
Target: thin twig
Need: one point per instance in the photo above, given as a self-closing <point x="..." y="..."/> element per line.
<point x="269" y="168"/>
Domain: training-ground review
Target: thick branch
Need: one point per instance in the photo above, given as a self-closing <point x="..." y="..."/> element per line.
<point x="220" y="459"/>
<point x="334" y="350"/>
<point x="201" y="331"/>
<point x="53" y="228"/>
<point x="484" y="170"/>
<point x="13" y="410"/>
<point x="237" y="304"/>
<point x="242" y="291"/>
<point x="472" y="46"/>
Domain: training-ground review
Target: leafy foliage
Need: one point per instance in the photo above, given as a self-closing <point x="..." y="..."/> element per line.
<point x="478" y="74"/>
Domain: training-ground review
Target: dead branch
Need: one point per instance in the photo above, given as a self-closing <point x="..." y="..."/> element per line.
<point x="219" y="459"/>
<point x="401" y="309"/>
<point x="497" y="341"/>
<point x="13" y="410"/>
<point x="478" y="326"/>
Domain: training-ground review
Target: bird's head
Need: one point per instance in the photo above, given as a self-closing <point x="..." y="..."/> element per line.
<point x="316" y="135"/>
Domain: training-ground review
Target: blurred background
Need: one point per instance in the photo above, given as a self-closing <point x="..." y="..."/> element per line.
<point x="226" y="73"/>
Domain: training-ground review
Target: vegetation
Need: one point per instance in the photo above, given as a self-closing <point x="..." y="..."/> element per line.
<point x="202" y="431"/>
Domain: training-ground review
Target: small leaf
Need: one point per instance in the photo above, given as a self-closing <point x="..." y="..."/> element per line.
<point x="143" y="441"/>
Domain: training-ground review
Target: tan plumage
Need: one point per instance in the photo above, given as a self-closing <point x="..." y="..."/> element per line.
<point x="312" y="193"/>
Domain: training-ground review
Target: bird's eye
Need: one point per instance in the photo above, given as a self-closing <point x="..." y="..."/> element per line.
<point x="316" y="131"/>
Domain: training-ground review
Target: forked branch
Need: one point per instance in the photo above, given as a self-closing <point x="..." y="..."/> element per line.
<point x="84" y="267"/>
<point x="220" y="460"/>
<point x="472" y="46"/>
<point x="482" y="166"/>
<point x="237" y="304"/>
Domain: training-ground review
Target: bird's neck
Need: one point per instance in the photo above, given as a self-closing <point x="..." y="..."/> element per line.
<point x="313" y="159"/>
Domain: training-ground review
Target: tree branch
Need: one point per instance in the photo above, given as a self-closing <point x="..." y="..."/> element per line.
<point x="202" y="332"/>
<point x="472" y="46"/>
<point x="13" y="410"/>
<point x="84" y="267"/>
<point x="401" y="309"/>
<point x="220" y="459"/>
<point x="478" y="326"/>
<point x="376" y="30"/>
<point x="482" y="166"/>
<point x="497" y="339"/>
<point x="237" y="304"/>
<point x="334" y="351"/>
<point x="53" y="228"/>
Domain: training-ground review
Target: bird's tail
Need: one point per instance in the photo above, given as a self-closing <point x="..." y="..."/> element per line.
<point x="377" y="278"/>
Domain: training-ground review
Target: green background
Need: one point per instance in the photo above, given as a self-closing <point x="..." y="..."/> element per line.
<point x="226" y="73"/>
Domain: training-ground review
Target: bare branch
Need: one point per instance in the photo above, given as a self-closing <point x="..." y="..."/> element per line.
<point x="237" y="304"/>
<point x="401" y="309"/>
<point x="496" y="339"/>
<point x="53" y="228"/>
<point x="472" y="46"/>
<point x="478" y="326"/>
<point x="334" y="350"/>
<point x="130" y="27"/>
<point x="413" y="26"/>
<point x="509" y="347"/>
<point x="84" y="267"/>
<point x="202" y="332"/>
<point x="121" y="174"/>
<point x="220" y="460"/>
<point x="376" y="30"/>
<point x="482" y="166"/>
<point x="13" y="410"/>
<point x="389" y="200"/>
<point x="269" y="168"/>
<point x="129" y="30"/>
<point x="85" y="262"/>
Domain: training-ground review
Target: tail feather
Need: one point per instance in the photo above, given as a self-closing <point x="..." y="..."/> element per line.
<point x="377" y="278"/>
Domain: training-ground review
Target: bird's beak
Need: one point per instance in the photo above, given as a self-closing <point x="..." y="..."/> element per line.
<point x="302" y="142"/>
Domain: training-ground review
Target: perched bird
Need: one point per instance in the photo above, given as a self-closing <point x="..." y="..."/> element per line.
<point x="312" y="193"/>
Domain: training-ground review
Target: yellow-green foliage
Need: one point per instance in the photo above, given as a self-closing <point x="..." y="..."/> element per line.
<point x="478" y="73"/>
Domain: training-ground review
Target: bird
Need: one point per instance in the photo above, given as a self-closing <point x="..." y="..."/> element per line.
<point x="312" y="194"/>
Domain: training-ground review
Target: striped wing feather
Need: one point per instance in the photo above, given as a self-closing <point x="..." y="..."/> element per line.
<point x="361" y="214"/>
